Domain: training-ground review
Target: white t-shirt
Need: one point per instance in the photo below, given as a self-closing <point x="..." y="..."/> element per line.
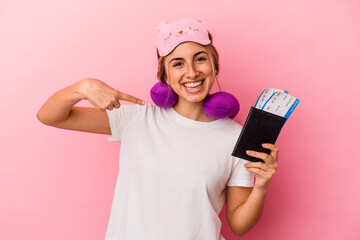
<point x="173" y="173"/>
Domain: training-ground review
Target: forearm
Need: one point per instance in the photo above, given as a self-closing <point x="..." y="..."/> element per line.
<point x="58" y="106"/>
<point x="248" y="214"/>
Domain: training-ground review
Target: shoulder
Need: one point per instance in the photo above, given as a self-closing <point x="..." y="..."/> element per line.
<point x="232" y="125"/>
<point x="135" y="108"/>
<point x="231" y="130"/>
<point x="146" y="111"/>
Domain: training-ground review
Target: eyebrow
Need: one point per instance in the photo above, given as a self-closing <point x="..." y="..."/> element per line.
<point x="195" y="55"/>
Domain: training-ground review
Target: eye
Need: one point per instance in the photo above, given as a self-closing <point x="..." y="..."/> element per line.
<point x="177" y="64"/>
<point x="201" y="59"/>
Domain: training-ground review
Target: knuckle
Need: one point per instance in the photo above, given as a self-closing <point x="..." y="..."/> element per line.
<point x="276" y="149"/>
<point x="116" y="93"/>
<point x="119" y="94"/>
<point x="264" y="156"/>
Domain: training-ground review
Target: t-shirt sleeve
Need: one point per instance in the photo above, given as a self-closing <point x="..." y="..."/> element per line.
<point x="239" y="175"/>
<point x="120" y="118"/>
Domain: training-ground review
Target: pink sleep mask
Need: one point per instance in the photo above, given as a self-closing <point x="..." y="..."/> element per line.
<point x="179" y="31"/>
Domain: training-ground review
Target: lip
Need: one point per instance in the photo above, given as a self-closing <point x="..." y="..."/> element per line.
<point x="193" y="81"/>
<point x="194" y="91"/>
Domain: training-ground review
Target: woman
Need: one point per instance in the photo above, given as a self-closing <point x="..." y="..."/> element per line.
<point x="176" y="170"/>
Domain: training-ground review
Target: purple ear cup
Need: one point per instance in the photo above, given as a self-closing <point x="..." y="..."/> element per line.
<point x="163" y="95"/>
<point x="221" y="105"/>
<point x="218" y="105"/>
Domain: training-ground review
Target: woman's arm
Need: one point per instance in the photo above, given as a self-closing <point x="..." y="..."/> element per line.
<point x="243" y="218"/>
<point x="59" y="110"/>
<point x="245" y="205"/>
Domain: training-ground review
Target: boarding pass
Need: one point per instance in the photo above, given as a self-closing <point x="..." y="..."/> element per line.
<point x="277" y="101"/>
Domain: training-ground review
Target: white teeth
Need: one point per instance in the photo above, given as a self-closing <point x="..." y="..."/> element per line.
<point x="193" y="84"/>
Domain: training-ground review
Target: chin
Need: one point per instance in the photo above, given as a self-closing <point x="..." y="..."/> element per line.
<point x="196" y="98"/>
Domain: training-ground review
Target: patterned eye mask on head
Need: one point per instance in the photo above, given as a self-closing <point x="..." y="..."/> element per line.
<point x="179" y="31"/>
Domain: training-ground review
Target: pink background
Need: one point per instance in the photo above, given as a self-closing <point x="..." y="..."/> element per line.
<point x="58" y="184"/>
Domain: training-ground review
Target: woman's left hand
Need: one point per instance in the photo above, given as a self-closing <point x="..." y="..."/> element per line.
<point x="264" y="171"/>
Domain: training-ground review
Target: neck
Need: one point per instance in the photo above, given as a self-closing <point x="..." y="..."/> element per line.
<point x="193" y="111"/>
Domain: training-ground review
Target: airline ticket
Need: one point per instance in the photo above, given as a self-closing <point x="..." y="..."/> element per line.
<point x="277" y="101"/>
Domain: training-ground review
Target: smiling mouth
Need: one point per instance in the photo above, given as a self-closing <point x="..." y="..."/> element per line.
<point x="194" y="85"/>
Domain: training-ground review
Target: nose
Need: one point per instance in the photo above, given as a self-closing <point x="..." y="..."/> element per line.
<point x="192" y="71"/>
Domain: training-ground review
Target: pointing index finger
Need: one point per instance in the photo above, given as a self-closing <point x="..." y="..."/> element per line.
<point x="129" y="98"/>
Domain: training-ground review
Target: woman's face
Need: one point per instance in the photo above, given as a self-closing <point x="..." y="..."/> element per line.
<point x="190" y="72"/>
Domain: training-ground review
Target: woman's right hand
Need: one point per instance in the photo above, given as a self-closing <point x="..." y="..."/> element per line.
<point x="103" y="96"/>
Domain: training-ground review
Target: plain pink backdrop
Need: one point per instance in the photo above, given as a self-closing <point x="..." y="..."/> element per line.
<point x="58" y="184"/>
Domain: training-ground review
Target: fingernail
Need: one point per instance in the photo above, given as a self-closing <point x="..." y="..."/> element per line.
<point x="265" y="145"/>
<point x="143" y="103"/>
<point x="249" y="152"/>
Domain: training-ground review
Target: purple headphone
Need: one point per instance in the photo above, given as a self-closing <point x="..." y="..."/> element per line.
<point x="218" y="105"/>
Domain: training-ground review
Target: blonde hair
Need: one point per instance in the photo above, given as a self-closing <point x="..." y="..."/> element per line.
<point x="161" y="74"/>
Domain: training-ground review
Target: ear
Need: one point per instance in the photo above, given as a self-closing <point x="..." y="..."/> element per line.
<point x="165" y="80"/>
